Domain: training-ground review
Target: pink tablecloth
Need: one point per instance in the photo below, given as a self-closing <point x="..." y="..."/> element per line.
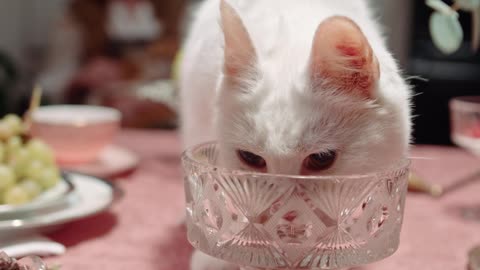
<point x="141" y="231"/>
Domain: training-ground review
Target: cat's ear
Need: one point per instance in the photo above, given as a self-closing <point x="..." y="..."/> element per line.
<point x="342" y="58"/>
<point x="240" y="55"/>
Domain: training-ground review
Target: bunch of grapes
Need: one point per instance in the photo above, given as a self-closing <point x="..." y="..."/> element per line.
<point x="27" y="166"/>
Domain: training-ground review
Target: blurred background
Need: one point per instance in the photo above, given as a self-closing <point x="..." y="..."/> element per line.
<point x="121" y="53"/>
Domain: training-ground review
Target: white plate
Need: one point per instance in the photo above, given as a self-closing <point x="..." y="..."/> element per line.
<point x="54" y="196"/>
<point x="91" y="196"/>
<point x="111" y="162"/>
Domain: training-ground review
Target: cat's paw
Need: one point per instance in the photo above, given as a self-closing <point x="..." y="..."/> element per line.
<point x="202" y="261"/>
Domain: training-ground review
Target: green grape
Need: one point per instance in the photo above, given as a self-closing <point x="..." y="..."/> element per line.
<point x="31" y="187"/>
<point x="20" y="162"/>
<point x="40" y="151"/>
<point x="33" y="169"/>
<point x="7" y="178"/>
<point x="14" y="123"/>
<point x="49" y="177"/>
<point x="14" y="144"/>
<point x="16" y="195"/>
<point x="5" y="131"/>
<point x="2" y="152"/>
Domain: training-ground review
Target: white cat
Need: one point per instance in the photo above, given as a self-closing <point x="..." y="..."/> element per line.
<point x="293" y="87"/>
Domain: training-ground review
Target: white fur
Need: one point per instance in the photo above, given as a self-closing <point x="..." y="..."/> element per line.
<point x="280" y="117"/>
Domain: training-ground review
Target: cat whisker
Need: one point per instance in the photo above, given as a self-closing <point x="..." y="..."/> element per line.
<point x="419" y="78"/>
<point x="417" y="94"/>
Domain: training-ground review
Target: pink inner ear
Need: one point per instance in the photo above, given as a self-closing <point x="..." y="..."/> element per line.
<point x="355" y="72"/>
<point x="342" y="58"/>
<point x="240" y="54"/>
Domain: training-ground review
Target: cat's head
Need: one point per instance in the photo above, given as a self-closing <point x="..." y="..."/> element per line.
<point x="326" y="117"/>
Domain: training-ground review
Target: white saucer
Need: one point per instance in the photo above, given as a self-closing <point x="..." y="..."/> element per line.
<point x="91" y="196"/>
<point x="112" y="161"/>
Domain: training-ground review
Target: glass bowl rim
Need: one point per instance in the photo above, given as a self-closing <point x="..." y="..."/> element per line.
<point x="187" y="156"/>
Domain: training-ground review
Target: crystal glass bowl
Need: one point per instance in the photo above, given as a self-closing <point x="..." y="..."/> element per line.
<point x="271" y="221"/>
<point x="465" y="122"/>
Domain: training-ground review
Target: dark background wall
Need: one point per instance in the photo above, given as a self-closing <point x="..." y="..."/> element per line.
<point x="448" y="76"/>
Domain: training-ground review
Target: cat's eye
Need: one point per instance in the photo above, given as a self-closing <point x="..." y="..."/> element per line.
<point x="320" y="161"/>
<point x="251" y="159"/>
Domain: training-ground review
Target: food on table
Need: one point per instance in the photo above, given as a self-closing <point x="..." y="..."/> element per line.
<point x="27" y="165"/>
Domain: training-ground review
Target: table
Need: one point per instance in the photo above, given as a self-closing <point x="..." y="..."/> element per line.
<point x="143" y="230"/>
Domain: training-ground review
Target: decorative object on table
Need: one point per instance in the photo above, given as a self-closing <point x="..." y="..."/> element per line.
<point x="27" y="263"/>
<point x="76" y="133"/>
<point x="445" y="29"/>
<point x="418" y="184"/>
<point x="266" y="221"/>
